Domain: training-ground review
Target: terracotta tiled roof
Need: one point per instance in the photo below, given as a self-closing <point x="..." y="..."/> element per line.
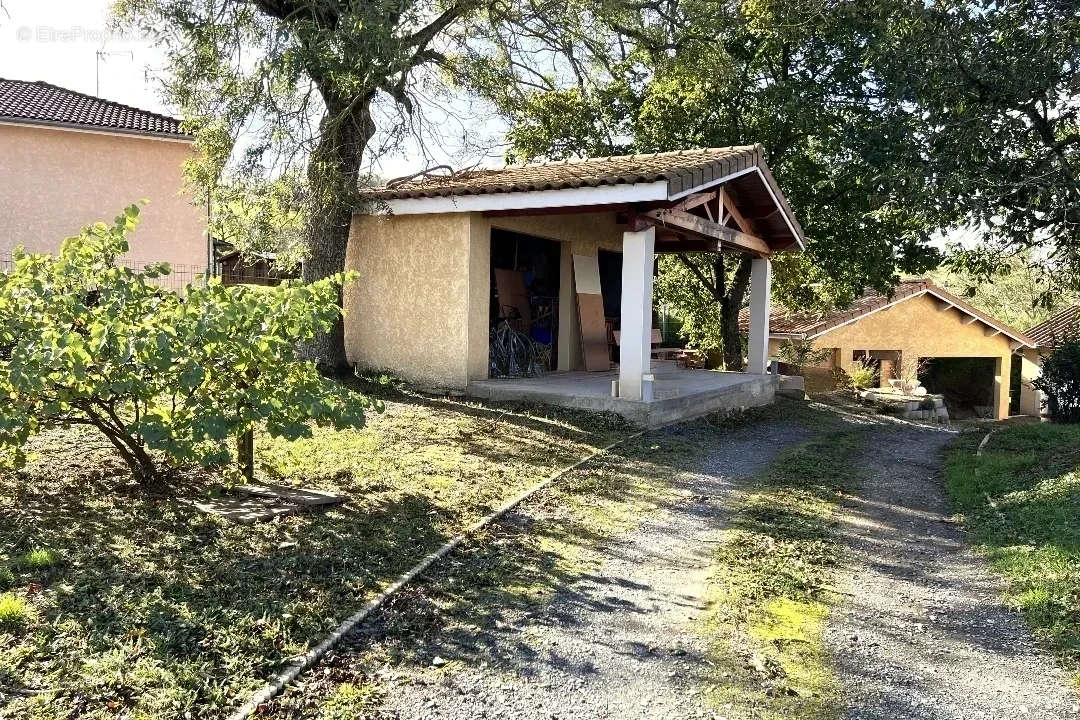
<point x="810" y="325"/>
<point x="42" y="103"/>
<point x="682" y="170"/>
<point x="1050" y="332"/>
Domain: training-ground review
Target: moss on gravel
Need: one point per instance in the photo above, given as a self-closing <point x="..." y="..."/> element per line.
<point x="770" y="590"/>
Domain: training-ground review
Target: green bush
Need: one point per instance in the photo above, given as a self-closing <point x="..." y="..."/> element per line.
<point x="7" y="578"/>
<point x="862" y="374"/>
<point x="15" y="611"/>
<point x="1060" y="381"/>
<point x="39" y="559"/>
<point x="86" y="341"/>
<point x="801" y="353"/>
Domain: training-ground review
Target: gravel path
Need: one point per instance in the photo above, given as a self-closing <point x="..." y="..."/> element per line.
<point x="616" y="644"/>
<point x="924" y="635"/>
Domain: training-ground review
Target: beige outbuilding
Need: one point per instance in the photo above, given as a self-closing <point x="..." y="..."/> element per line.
<point x="565" y="252"/>
<point x="919" y="322"/>
<point x="68" y="159"/>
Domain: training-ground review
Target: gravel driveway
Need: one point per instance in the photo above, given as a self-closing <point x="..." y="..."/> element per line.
<point x="924" y="634"/>
<point x="920" y="635"/>
<point x="615" y="644"/>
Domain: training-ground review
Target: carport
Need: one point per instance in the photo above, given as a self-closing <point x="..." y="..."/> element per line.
<point x="918" y="322"/>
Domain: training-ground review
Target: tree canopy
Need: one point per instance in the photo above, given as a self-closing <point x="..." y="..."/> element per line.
<point x="995" y="87"/>
<point x="797" y="77"/>
<point x="885" y="123"/>
<point x="293" y="89"/>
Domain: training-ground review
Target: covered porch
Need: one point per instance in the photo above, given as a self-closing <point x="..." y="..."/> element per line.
<point x="542" y="239"/>
<point x="678" y="393"/>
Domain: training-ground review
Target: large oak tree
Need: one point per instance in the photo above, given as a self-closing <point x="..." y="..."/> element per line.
<point x="271" y="87"/>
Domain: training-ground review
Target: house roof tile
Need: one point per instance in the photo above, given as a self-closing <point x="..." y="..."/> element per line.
<point x="46" y="104"/>
<point x="682" y="169"/>
<point x="1060" y="325"/>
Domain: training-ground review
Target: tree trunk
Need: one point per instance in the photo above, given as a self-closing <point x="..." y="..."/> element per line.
<point x="333" y="172"/>
<point x="729" y="298"/>
<point x="134" y="454"/>
<point x="734" y="294"/>
<point x="245" y="454"/>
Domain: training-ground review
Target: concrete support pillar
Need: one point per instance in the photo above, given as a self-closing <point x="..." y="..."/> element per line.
<point x="635" y="339"/>
<point x="1002" y="375"/>
<point x="760" y="299"/>
<point x="569" y="332"/>
<point x="1030" y="369"/>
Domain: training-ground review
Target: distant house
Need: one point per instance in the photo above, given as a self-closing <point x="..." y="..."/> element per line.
<point x="69" y="159"/>
<point x="965" y="354"/>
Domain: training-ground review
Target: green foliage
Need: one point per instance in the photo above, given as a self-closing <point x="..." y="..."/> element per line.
<point x="38" y="559"/>
<point x="676" y="288"/>
<point x="15" y="611"/>
<point x="90" y="342"/>
<point x="349" y="701"/>
<point x="1020" y="502"/>
<point x="7" y="578"/>
<point x="800" y="353"/>
<point x="995" y="85"/>
<point x="257" y="215"/>
<point x="1021" y="292"/>
<point x="862" y="374"/>
<point x="1060" y="381"/>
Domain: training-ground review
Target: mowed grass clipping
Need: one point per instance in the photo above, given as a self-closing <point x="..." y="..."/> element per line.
<point x="1020" y="501"/>
<point x="144" y="607"/>
<point x="771" y="584"/>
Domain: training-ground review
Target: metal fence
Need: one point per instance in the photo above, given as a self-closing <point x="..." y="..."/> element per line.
<point x="179" y="277"/>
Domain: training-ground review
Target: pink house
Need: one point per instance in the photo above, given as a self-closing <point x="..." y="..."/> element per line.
<point x="69" y="159"/>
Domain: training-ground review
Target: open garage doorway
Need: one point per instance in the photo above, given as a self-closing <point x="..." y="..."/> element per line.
<point x="524" y="315"/>
<point x="966" y="383"/>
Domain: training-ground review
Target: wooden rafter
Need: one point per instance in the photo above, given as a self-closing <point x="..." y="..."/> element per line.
<point x="684" y="222"/>
<point x="692" y="201"/>
<point x="740" y="220"/>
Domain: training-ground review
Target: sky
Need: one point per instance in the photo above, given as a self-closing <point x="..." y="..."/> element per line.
<point x="69" y="43"/>
<point x="58" y="40"/>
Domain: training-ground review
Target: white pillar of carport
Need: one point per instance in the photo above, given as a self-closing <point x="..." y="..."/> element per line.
<point x="635" y="335"/>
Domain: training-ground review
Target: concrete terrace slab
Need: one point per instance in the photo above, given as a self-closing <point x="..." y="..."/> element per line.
<point x="678" y="393"/>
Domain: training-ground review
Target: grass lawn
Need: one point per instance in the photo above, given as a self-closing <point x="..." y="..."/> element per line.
<point x="1021" y="503"/>
<point x="771" y="583"/>
<point x="118" y="603"/>
<point x="511" y="570"/>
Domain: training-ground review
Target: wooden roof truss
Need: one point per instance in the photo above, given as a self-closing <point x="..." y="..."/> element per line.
<point x="703" y="222"/>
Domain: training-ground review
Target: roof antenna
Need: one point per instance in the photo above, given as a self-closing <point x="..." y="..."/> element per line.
<point x="99" y="56"/>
